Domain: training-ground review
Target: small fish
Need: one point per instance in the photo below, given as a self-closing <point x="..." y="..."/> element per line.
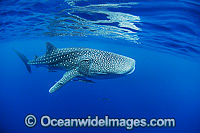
<point x="82" y="79"/>
<point x="103" y="99"/>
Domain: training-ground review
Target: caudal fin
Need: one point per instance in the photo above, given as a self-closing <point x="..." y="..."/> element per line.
<point x="24" y="59"/>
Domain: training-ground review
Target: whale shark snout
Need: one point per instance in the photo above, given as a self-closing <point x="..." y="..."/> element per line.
<point x="127" y="68"/>
<point x="131" y="67"/>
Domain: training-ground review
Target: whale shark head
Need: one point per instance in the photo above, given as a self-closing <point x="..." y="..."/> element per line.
<point x="125" y="68"/>
<point x="108" y="66"/>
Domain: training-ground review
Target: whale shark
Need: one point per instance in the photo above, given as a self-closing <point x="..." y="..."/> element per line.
<point x="80" y="62"/>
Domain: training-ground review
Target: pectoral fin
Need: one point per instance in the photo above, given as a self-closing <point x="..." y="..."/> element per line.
<point x="68" y="76"/>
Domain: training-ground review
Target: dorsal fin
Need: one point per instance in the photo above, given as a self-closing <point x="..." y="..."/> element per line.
<point x="50" y="47"/>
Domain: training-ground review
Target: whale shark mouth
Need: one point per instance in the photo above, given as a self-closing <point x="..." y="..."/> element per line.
<point x="131" y="71"/>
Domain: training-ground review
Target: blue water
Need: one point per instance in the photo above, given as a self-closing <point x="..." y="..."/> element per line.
<point x="162" y="36"/>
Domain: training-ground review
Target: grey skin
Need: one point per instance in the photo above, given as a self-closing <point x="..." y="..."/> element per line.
<point x="81" y="62"/>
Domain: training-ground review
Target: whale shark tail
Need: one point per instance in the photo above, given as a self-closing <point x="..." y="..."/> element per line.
<point x="24" y="59"/>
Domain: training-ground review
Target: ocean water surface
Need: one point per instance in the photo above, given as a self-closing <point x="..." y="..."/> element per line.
<point x="162" y="36"/>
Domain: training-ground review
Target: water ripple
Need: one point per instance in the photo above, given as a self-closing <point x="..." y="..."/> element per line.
<point x="96" y="20"/>
<point x="168" y="26"/>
